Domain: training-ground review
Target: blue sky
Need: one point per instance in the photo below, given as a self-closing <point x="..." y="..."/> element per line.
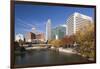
<point x="28" y="16"/>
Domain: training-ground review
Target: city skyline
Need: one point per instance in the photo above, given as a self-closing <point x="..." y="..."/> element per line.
<point x="76" y="17"/>
<point x="25" y="20"/>
<point x="53" y="34"/>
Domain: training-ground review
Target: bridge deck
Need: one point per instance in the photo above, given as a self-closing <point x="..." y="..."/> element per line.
<point x="25" y="45"/>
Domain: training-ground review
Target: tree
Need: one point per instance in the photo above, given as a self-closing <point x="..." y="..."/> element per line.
<point x="68" y="40"/>
<point x="86" y="38"/>
<point x="16" y="45"/>
<point x="65" y="40"/>
<point x="56" y="43"/>
<point x="21" y="42"/>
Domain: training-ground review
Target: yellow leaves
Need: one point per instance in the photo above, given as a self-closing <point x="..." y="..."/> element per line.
<point x="56" y="42"/>
<point x="87" y="34"/>
<point x="85" y="37"/>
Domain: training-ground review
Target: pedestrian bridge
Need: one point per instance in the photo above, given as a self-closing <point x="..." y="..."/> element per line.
<point x="28" y="45"/>
<point x="38" y="47"/>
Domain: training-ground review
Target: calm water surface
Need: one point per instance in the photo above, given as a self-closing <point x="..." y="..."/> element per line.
<point x="38" y="57"/>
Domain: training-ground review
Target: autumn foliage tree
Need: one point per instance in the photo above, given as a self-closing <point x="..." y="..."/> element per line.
<point x="68" y="40"/>
<point x="56" y="43"/>
<point x="86" y="38"/>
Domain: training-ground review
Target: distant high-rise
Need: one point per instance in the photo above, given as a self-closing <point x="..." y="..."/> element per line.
<point x="40" y="36"/>
<point x="48" y="30"/>
<point x="56" y="37"/>
<point x="76" y="22"/>
<point x="29" y="37"/>
<point x="58" y="32"/>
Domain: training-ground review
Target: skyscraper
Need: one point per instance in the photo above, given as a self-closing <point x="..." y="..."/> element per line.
<point x="77" y="21"/>
<point x="58" y="32"/>
<point x="48" y="30"/>
<point x="66" y="30"/>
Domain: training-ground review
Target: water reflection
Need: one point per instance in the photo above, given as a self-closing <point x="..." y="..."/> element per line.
<point x="37" y="57"/>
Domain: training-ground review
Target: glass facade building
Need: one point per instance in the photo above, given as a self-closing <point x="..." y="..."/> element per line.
<point x="58" y="32"/>
<point x="48" y="30"/>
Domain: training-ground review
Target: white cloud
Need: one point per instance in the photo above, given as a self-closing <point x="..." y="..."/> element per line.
<point x="63" y="25"/>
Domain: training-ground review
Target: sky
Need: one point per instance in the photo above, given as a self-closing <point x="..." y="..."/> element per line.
<point x="28" y="16"/>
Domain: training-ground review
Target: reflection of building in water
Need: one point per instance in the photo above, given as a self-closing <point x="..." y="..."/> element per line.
<point x="29" y="37"/>
<point x="76" y="22"/>
<point x="58" y="32"/>
<point x="19" y="37"/>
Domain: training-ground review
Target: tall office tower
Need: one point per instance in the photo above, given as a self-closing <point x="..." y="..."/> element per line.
<point x="58" y="32"/>
<point x="66" y="30"/>
<point x="76" y="22"/>
<point x="48" y="30"/>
